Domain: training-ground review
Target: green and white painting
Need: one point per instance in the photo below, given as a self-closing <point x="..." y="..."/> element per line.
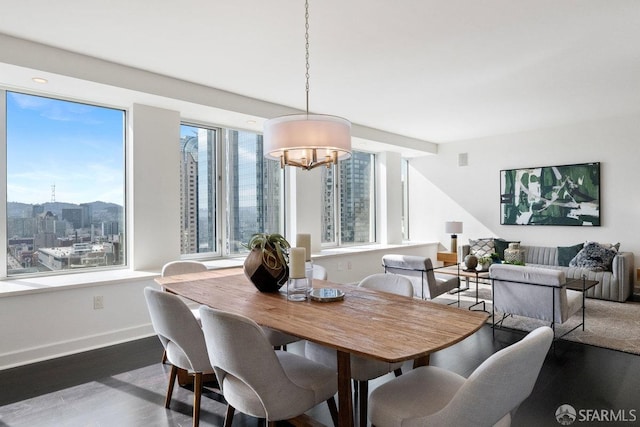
<point x="551" y="195"/>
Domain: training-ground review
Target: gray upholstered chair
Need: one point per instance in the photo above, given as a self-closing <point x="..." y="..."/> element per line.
<point x="258" y="380"/>
<point x="427" y="284"/>
<point x="279" y="340"/>
<point x="183" y="340"/>
<point x="174" y="268"/>
<point x="535" y="292"/>
<point x="432" y="396"/>
<point x="365" y="369"/>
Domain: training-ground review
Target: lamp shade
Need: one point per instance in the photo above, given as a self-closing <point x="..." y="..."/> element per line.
<point x="295" y="138"/>
<point x="453" y="227"/>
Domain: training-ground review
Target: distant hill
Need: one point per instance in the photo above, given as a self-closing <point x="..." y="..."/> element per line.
<point x="24" y="210"/>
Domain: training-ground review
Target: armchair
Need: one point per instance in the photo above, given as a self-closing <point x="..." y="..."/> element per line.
<point x="421" y="272"/>
<point x="535" y="292"/>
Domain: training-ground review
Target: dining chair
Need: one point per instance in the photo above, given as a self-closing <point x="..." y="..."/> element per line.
<point x="433" y="396"/>
<point x="183" y="340"/>
<point x="173" y="268"/>
<point x="279" y="340"/>
<point x="364" y="369"/>
<point x="258" y="380"/>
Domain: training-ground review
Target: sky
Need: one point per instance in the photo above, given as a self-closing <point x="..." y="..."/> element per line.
<point x="79" y="148"/>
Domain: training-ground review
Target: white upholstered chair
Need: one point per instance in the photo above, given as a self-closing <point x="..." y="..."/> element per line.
<point x="183" y="340"/>
<point x="432" y="396"/>
<point x="365" y="369"/>
<point x="427" y="284"/>
<point x="174" y="268"/>
<point x="533" y="292"/>
<point x="258" y="380"/>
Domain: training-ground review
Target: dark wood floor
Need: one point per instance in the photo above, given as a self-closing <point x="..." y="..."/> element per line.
<point x="124" y="385"/>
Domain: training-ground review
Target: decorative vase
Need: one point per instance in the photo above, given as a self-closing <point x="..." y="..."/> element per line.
<point x="483" y="265"/>
<point x="513" y="254"/>
<point x="265" y="271"/>
<point x="470" y="262"/>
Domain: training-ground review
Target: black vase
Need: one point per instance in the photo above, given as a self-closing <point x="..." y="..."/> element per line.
<point x="266" y="278"/>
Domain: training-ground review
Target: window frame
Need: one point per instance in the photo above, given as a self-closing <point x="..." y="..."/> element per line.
<point x="337" y="207"/>
<point x="126" y="245"/>
<point x="222" y="214"/>
<point x="218" y="203"/>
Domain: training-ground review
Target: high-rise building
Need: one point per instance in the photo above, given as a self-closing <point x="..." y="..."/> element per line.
<point x="189" y="195"/>
<point x="253" y="189"/>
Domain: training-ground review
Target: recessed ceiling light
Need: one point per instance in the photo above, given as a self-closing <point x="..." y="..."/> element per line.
<point x="40" y="80"/>
<point x="251" y="122"/>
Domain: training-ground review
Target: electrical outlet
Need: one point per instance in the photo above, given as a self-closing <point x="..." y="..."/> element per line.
<point x="340" y="266"/>
<point x="98" y="302"/>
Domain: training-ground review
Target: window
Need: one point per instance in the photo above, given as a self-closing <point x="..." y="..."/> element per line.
<point x="198" y="204"/>
<point x="65" y="185"/>
<point x="251" y="191"/>
<point x="348" y="208"/>
<point x="404" y="177"/>
<point x="254" y="190"/>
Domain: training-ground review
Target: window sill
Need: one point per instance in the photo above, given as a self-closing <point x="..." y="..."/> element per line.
<point x="29" y="285"/>
<point x="345" y="250"/>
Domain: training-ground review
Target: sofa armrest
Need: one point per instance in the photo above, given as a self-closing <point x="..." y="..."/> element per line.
<point x="623" y="269"/>
<point x="466" y="249"/>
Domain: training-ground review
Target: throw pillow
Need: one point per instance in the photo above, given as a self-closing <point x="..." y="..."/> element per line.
<point x="614" y="246"/>
<point x="594" y="257"/>
<point x="481" y="247"/>
<point x="567" y="253"/>
<point x="501" y="245"/>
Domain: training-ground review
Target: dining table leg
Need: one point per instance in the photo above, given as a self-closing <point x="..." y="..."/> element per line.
<point x="345" y="407"/>
<point x="421" y="361"/>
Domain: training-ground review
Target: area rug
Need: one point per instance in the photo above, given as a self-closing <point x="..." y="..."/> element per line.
<point x="608" y="324"/>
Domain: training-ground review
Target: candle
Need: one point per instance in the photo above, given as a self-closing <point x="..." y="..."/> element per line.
<point x="304" y="241"/>
<point x="296" y="263"/>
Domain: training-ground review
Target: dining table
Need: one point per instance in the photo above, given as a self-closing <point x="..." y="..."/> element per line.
<point x="367" y="323"/>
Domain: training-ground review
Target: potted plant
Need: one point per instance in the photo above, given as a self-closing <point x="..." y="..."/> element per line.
<point x="266" y="265"/>
<point x="484" y="263"/>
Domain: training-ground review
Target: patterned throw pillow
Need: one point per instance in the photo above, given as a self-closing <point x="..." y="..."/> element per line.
<point x="595" y="257"/>
<point x="481" y="247"/>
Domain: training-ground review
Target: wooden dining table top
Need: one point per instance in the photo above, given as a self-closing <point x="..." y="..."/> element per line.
<point x="368" y="323"/>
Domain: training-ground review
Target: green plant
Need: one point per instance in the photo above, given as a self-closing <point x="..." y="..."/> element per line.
<point x="495" y="256"/>
<point x="514" y="262"/>
<point x="485" y="259"/>
<point x="274" y="247"/>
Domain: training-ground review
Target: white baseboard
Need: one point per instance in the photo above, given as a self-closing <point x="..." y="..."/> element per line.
<point x="64" y="348"/>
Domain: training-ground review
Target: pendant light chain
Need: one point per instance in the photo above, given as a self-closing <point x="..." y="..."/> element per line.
<point x="306" y="48"/>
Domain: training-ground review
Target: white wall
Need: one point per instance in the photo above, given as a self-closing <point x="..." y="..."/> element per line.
<point x="440" y="190"/>
<point x="43" y="323"/>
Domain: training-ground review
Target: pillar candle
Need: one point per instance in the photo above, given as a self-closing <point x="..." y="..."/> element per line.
<point x="296" y="263"/>
<point x="304" y="241"/>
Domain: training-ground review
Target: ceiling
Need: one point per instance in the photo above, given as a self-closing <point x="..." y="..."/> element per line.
<point x="434" y="70"/>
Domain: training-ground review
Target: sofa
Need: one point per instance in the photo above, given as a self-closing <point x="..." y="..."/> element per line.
<point x="614" y="285"/>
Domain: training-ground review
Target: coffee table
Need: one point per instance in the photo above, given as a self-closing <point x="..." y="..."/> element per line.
<point x="468" y="274"/>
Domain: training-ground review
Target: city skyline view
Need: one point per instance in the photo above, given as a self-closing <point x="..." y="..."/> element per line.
<point x="77" y="148"/>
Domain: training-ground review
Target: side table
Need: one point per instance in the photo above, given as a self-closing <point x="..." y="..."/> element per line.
<point x="448" y="258"/>
<point x="468" y="274"/>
